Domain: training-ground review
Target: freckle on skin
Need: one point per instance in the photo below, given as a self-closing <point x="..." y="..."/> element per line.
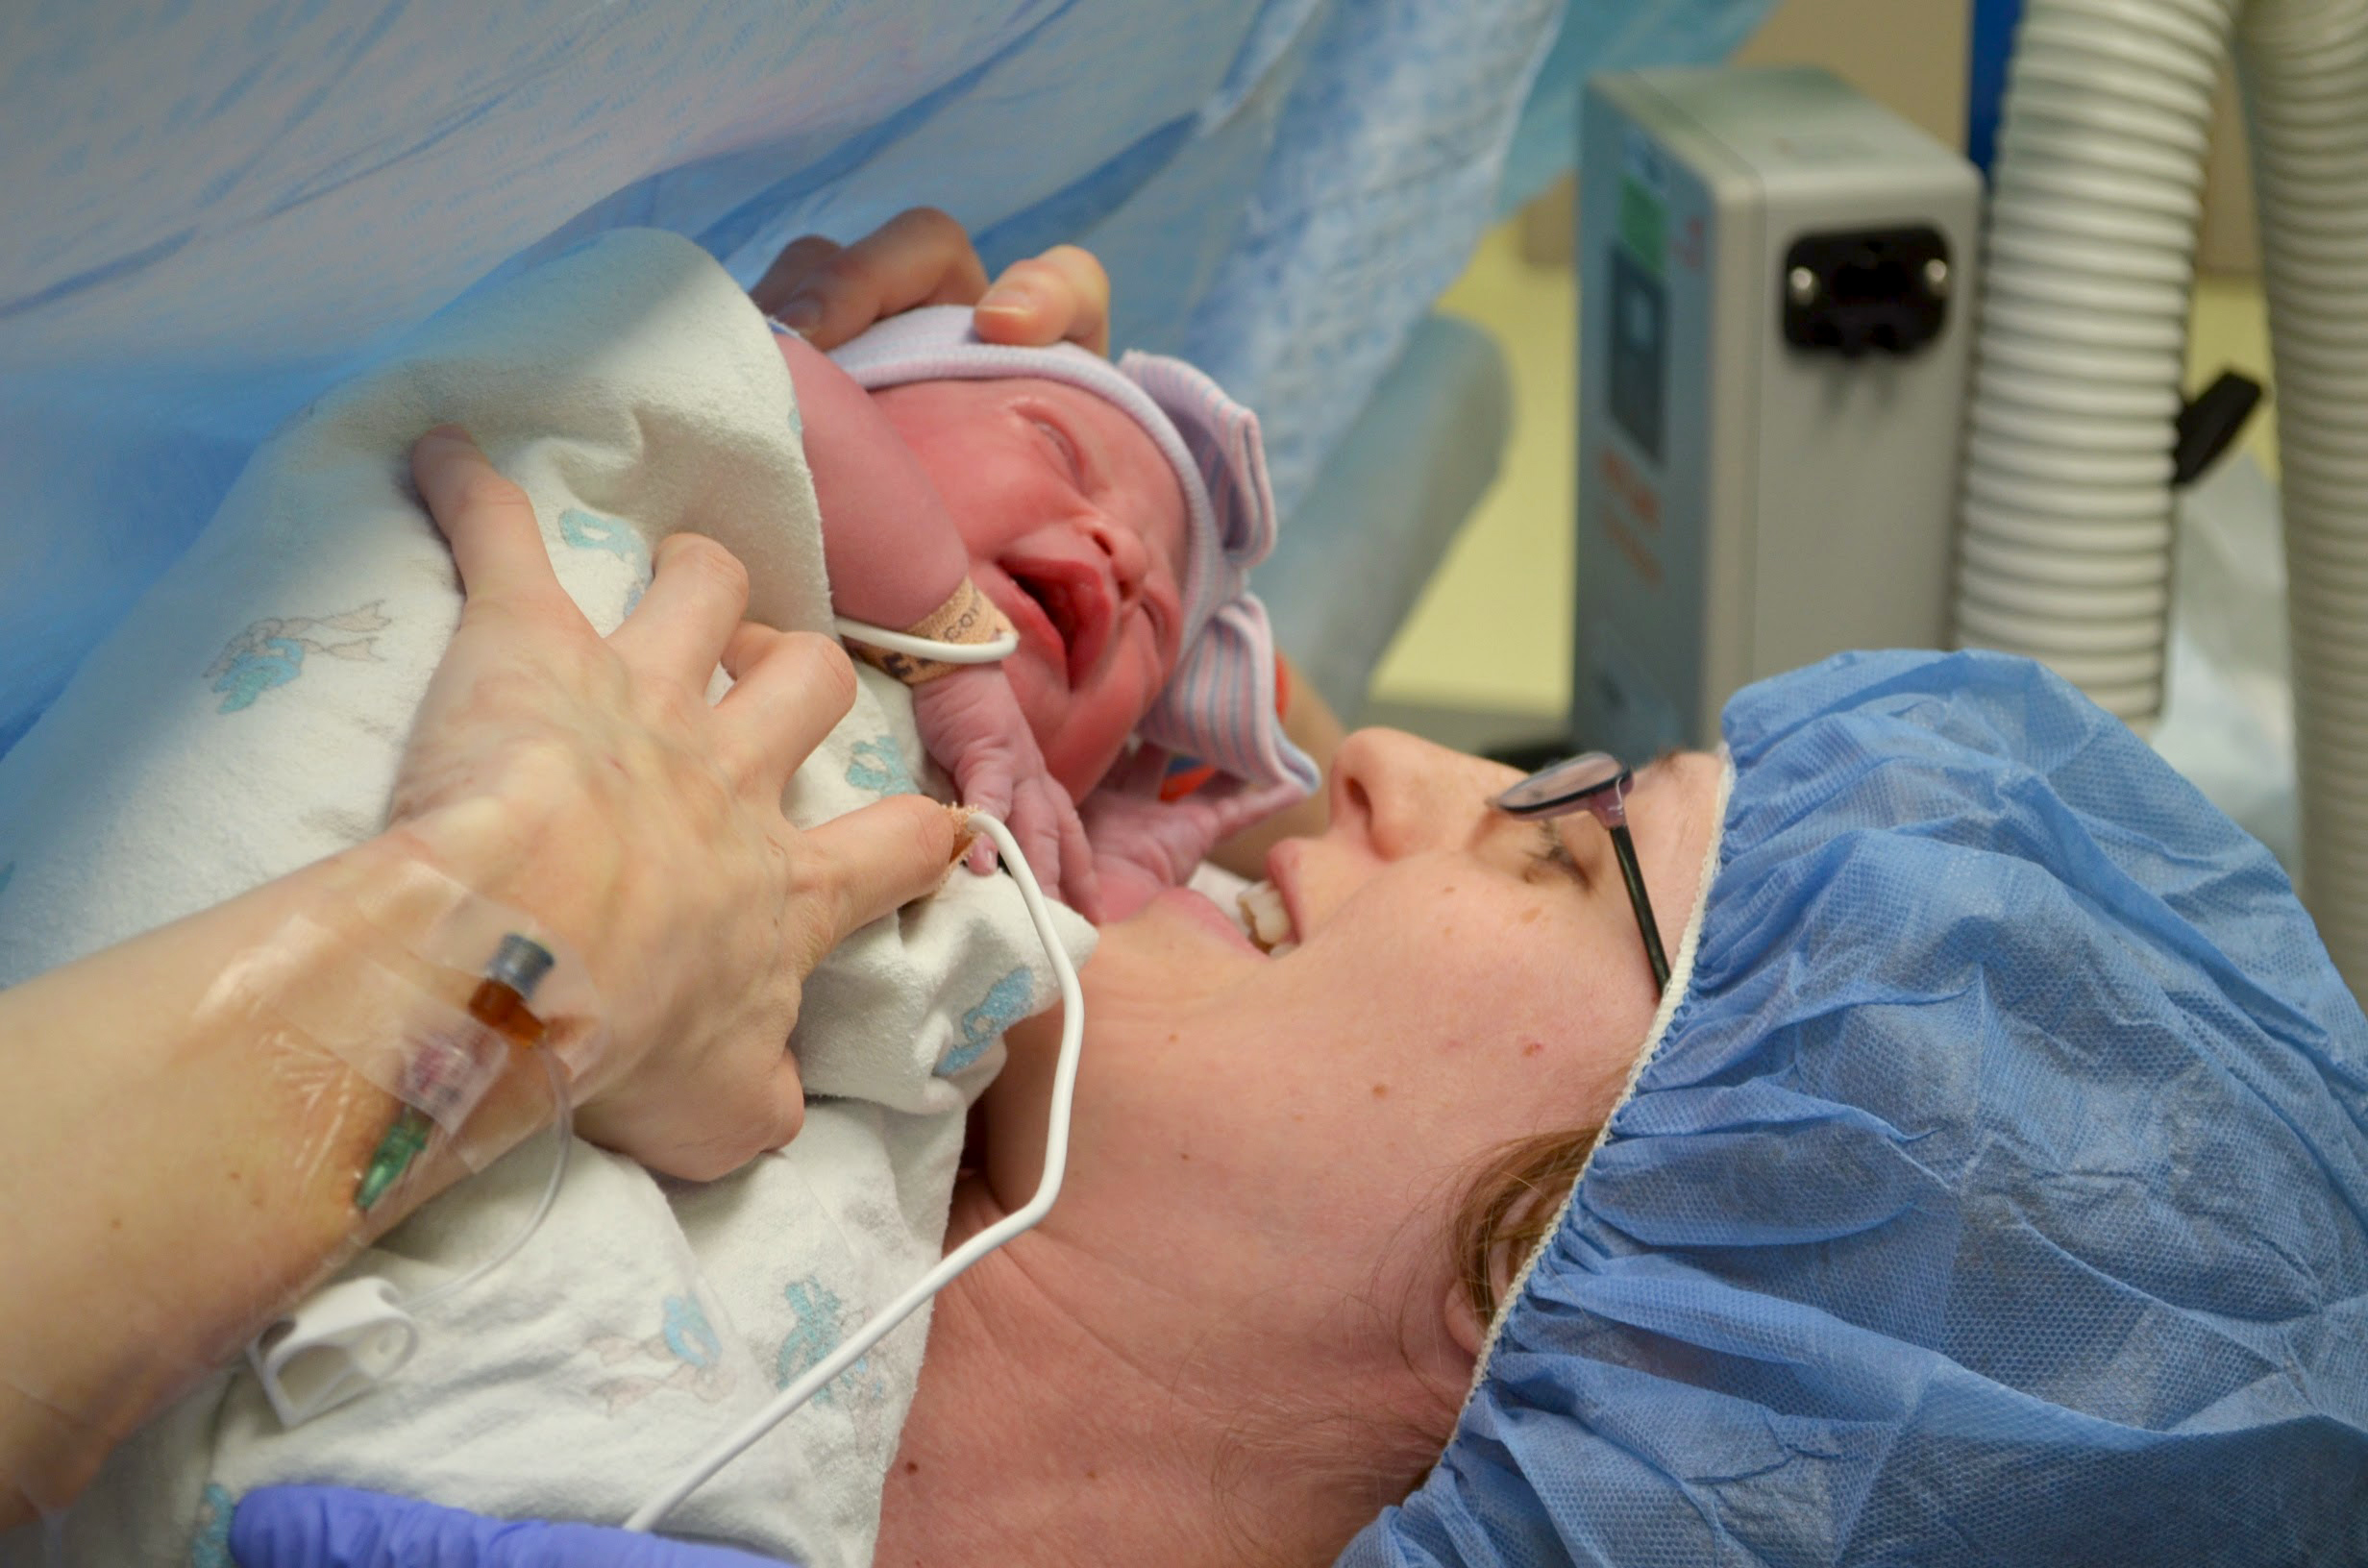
<point x="1531" y="1047"/>
<point x="1381" y="1091"/>
<point x="912" y="1467"/>
<point x="1529" y="916"/>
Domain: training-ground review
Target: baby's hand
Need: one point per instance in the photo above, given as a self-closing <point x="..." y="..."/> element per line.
<point x="970" y="722"/>
<point x="1142" y="846"/>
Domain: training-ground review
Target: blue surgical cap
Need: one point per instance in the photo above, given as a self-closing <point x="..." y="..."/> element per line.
<point x="1995" y="1192"/>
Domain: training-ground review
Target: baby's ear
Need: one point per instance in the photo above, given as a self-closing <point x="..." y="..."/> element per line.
<point x="1465" y="1329"/>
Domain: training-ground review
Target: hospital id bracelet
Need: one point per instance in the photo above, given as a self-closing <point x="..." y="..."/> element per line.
<point x="966" y="629"/>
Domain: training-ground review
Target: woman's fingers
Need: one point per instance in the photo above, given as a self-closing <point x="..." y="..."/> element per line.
<point x="789" y="690"/>
<point x="919" y="257"/>
<point x="788" y="1104"/>
<point x="486" y="519"/>
<point x="800" y="260"/>
<point x="878" y="859"/>
<point x="1061" y="295"/>
<point x="690" y="611"/>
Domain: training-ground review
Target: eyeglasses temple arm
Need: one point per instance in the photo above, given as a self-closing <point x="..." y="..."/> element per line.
<point x="1626" y="849"/>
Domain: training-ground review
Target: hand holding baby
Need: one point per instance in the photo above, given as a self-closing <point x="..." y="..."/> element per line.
<point x="589" y="781"/>
<point x="827" y="292"/>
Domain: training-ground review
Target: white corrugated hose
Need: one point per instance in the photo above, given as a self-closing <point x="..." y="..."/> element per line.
<point x="2065" y="511"/>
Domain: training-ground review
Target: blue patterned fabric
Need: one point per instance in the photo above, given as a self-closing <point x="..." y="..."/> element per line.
<point x="1997" y="1194"/>
<point x="216" y="210"/>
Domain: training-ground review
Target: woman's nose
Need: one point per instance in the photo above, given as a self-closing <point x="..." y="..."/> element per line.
<point x="1404" y="794"/>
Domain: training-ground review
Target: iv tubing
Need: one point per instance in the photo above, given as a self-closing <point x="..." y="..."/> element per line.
<point x="563" y="1133"/>
<point x="952" y="1267"/>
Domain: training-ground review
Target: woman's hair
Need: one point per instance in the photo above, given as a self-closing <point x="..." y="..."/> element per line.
<point x="1511" y="1206"/>
<point x="1360" y="1460"/>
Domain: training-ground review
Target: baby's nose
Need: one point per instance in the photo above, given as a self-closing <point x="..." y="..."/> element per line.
<point x="1131" y="560"/>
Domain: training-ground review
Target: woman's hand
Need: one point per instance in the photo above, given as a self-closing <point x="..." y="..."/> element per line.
<point x="590" y="783"/>
<point x="827" y="293"/>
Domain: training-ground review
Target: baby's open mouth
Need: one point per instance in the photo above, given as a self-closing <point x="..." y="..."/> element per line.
<point x="1075" y="604"/>
<point x="1269" y="921"/>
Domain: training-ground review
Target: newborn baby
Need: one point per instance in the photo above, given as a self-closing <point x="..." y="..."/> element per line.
<point x="1105" y="513"/>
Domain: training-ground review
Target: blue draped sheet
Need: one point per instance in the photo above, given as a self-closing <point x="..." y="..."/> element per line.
<point x="213" y="210"/>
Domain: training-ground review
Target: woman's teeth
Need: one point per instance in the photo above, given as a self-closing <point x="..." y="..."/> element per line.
<point x="1269" y="921"/>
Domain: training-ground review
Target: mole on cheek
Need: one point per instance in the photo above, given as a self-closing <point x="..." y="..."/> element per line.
<point x="1531" y="1047"/>
<point x="1530" y="915"/>
<point x="1381" y="1091"/>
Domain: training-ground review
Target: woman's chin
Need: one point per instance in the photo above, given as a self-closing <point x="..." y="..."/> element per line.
<point x="1196" y="915"/>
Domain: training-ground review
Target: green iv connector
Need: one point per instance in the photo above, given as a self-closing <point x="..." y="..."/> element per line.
<point x="499" y="1004"/>
<point x="396" y="1151"/>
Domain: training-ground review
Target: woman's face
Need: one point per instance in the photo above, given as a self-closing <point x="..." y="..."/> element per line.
<point x="1461" y="979"/>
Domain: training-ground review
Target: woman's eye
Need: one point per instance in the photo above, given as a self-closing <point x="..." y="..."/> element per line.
<point x="1550" y="856"/>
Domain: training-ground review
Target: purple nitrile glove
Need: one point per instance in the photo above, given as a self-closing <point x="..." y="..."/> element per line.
<point x="1144" y="846"/>
<point x="970" y="722"/>
<point x="335" y="1527"/>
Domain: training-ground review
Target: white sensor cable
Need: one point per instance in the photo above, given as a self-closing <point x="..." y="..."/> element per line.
<point x="952" y="1267"/>
<point x="926" y="648"/>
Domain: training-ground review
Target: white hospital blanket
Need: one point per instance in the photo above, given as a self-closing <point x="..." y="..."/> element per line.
<point x="248" y="719"/>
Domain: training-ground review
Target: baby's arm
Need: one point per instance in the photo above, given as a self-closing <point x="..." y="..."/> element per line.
<point x="893" y="552"/>
<point x="895" y="556"/>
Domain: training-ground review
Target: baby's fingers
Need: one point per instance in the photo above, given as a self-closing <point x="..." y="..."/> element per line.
<point x="1080" y="880"/>
<point x="986" y="784"/>
<point x="1037" y="826"/>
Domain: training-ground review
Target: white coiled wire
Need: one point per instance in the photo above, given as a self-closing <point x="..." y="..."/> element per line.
<point x="952" y="1267"/>
<point x="2065" y="506"/>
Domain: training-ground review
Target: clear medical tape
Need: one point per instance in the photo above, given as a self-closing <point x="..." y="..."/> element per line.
<point x="388" y="1020"/>
<point x="954" y="1263"/>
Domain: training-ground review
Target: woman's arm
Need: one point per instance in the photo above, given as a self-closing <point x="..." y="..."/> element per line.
<point x="183" y="1152"/>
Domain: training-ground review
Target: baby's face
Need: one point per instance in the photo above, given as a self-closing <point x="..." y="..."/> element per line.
<point x="1075" y="526"/>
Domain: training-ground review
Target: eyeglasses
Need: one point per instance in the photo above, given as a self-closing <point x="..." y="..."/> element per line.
<point x="1597" y="784"/>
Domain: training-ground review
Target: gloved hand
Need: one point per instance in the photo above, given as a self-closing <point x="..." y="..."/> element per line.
<point x="970" y="722"/>
<point x="334" y="1527"/>
<point x="1144" y="846"/>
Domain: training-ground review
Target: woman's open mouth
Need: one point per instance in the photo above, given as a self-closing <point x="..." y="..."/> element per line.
<point x="1269" y="920"/>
